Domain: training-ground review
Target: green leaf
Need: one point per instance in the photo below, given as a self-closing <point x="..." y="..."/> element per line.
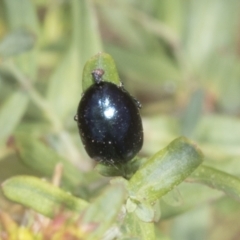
<point x="40" y="195"/>
<point x="215" y="134"/>
<point x="217" y="179"/>
<point x="64" y="87"/>
<point x="16" y="42"/>
<point x="189" y="199"/>
<point x="65" y="83"/>
<point x="104" y="210"/>
<point x="192" y="113"/>
<point x="170" y="12"/>
<point x="23" y="15"/>
<point x="86" y="34"/>
<point x="103" y="61"/>
<point x="157" y="68"/>
<point x="118" y="21"/>
<point x="41" y="158"/>
<point x="164" y="170"/>
<point x="204" y="37"/>
<point x="64" y="90"/>
<point x="11" y="113"/>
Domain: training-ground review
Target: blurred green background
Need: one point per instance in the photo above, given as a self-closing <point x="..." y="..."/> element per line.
<point x="180" y="58"/>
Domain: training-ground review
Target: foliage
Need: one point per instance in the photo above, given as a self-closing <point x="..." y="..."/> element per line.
<point x="180" y="59"/>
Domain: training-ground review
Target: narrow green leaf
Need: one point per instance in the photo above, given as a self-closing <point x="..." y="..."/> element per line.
<point x="118" y="21"/>
<point x="64" y="89"/>
<point x="157" y="68"/>
<point x="217" y="179"/>
<point x="170" y="12"/>
<point x="193" y="113"/>
<point x="22" y="14"/>
<point x="103" y="61"/>
<point x="40" y="195"/>
<point x="11" y="113"/>
<point x="16" y="42"/>
<point x="65" y="84"/>
<point x="164" y="170"/>
<point x="206" y="35"/>
<point x="39" y="157"/>
<point x="189" y="199"/>
<point x="104" y="210"/>
<point x="215" y="134"/>
<point x="86" y="34"/>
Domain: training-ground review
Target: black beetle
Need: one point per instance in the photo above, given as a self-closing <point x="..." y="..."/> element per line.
<point x="109" y="122"/>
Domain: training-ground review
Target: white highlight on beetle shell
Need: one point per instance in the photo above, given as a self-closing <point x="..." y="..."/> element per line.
<point x="109" y="112"/>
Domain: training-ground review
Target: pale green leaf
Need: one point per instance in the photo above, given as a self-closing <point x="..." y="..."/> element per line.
<point x="41" y="158"/>
<point x="165" y="170"/>
<point x="64" y="89"/>
<point x="104" y="210"/>
<point x="103" y="61"/>
<point x="11" y="112"/>
<point x="192" y="113"/>
<point x="23" y="15"/>
<point x="217" y="179"/>
<point x="16" y="42"/>
<point x="41" y="196"/>
<point x="158" y="68"/>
